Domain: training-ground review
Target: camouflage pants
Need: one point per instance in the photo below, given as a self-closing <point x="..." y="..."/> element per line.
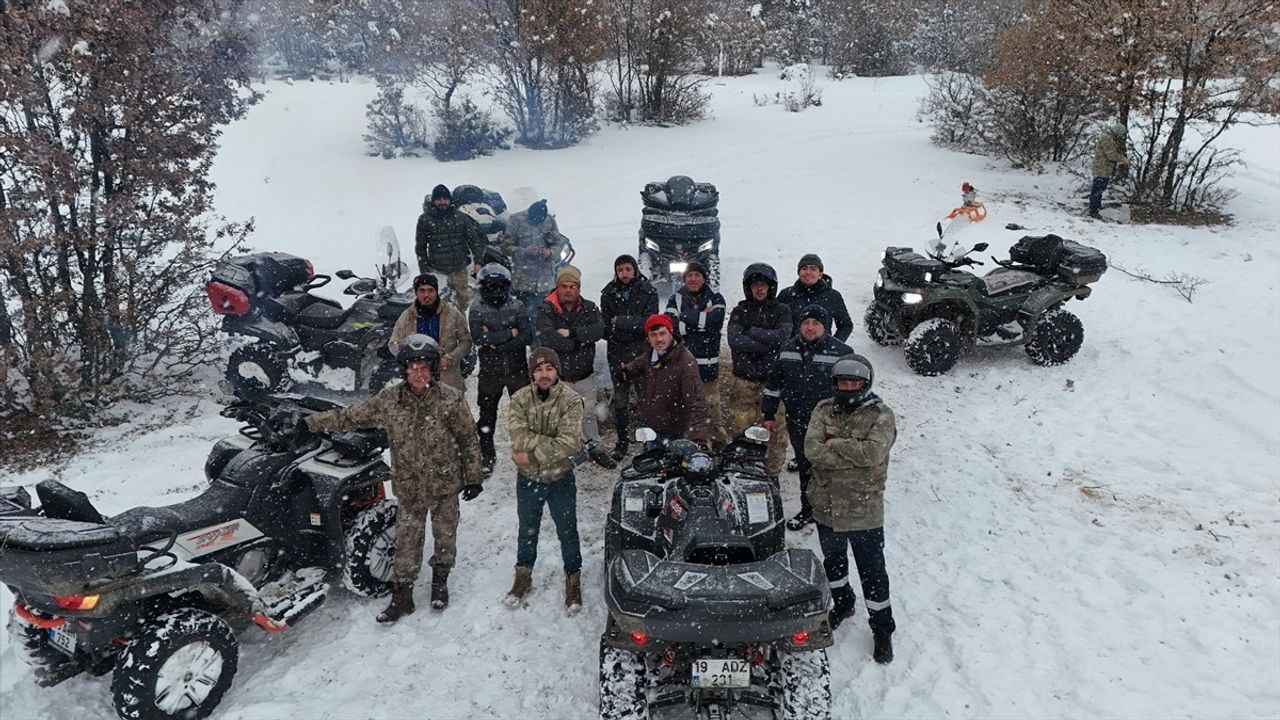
<point x="741" y="400"/>
<point x="461" y="291"/>
<point x="411" y="530"/>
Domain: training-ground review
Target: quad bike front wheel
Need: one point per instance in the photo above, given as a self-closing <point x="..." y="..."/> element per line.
<point x="934" y="346"/>
<point x="177" y="667"/>
<point x="257" y="369"/>
<point x="622" y="685"/>
<point x="1055" y="338"/>
<point x="371" y="550"/>
<point x="877" y="321"/>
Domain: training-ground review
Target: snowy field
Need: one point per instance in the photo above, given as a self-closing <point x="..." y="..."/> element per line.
<point x="1100" y="539"/>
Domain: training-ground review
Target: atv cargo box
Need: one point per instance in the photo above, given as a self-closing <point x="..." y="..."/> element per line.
<point x="59" y="557"/>
<point x="266" y="273"/>
<point x="680" y="194"/>
<point x="1050" y="254"/>
<point x="909" y="267"/>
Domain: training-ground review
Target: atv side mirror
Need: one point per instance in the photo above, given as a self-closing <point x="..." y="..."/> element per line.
<point x="979" y="247"/>
<point x="644" y="434"/>
<point x="757" y="434"/>
<point x="344" y="274"/>
<point x="939" y="229"/>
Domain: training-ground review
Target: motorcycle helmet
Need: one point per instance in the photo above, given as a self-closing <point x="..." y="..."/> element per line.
<point x="852" y="367"/>
<point x="419" y="347"/>
<point x="495" y="283"/>
<point x="760" y="271"/>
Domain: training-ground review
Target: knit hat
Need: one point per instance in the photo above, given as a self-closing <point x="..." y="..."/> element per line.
<point x="810" y="259"/>
<point x="426" y="279"/>
<point x="659" y="319"/>
<point x="816" y="312"/>
<point x="569" y="272"/>
<point x="543" y="356"/>
<point x="440" y="192"/>
<point x="537" y="212"/>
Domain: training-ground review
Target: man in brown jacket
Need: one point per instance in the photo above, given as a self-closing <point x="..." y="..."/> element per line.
<point x="672" y="403"/>
<point x="847" y="445"/>
<point x="545" y="424"/>
<point x="434" y="456"/>
<point x="439" y="320"/>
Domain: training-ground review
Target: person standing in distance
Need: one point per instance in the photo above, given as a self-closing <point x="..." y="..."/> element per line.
<point x="448" y="242"/>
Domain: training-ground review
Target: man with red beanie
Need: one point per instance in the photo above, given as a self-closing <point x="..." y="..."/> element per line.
<point x="672" y="401"/>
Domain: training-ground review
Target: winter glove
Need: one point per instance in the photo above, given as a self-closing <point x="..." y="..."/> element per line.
<point x="470" y="492"/>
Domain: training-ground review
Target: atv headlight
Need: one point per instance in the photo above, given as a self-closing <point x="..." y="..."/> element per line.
<point x="912" y="298"/>
<point x="928" y="277"/>
<point x="651" y="245"/>
<point x="879" y="279"/>
<point x="564" y="254"/>
<point x="706" y="246"/>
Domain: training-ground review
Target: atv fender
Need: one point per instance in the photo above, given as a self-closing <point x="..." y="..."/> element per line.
<point x="1048" y="297"/>
<point x="257" y="326"/>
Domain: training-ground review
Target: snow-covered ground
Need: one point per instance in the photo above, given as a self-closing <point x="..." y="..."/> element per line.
<point x="1100" y="539"/>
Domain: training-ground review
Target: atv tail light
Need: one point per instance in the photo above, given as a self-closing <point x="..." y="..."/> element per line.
<point x="800" y="638"/>
<point x="227" y="300"/>
<point x="639" y="637"/>
<point x="76" y="602"/>
<point x="311" y="269"/>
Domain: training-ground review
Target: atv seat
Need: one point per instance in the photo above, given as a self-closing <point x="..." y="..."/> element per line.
<point x="222" y="501"/>
<point x="322" y="315"/>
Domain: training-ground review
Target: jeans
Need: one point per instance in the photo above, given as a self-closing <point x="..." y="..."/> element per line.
<point x="868" y="553"/>
<point x="561" y="498"/>
<point x="1095" y="193"/>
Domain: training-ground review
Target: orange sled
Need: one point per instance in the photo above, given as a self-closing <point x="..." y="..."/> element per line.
<point x="975" y="212"/>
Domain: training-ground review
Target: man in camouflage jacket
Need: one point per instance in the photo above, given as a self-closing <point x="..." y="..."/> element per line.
<point x="847" y="445"/>
<point x="434" y="456"/>
<point x="1110" y="156"/>
<point x="545" y="424"/>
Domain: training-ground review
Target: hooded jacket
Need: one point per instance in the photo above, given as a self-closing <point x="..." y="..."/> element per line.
<point x="446" y="241"/>
<point x="699" y="322"/>
<point x="585" y="325"/>
<point x="799" y="296"/>
<point x="631" y="304"/>
<point x="757" y="330"/>
<point x="802" y="376"/>
<point x="502" y="354"/>
<point x="849" y="472"/>
<point x="673" y="402"/>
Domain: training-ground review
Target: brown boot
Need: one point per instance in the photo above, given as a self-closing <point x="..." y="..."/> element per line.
<point x="520" y="586"/>
<point x="573" y="592"/>
<point x="401" y="603"/>
<point x="440" y="588"/>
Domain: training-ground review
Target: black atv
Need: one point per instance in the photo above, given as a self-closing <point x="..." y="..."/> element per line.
<point x="708" y="609"/>
<point x="938" y="311"/>
<point x="152" y="595"/>
<point x="268" y="308"/>
<point x="679" y="224"/>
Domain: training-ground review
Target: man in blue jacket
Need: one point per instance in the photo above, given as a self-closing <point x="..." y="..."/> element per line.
<point x="813" y="287"/>
<point x="801" y="379"/>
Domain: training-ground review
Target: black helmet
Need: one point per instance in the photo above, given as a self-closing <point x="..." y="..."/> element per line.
<point x="419" y="347"/>
<point x="852" y="367"/>
<point x="495" y="283"/>
<point x="760" y="271"/>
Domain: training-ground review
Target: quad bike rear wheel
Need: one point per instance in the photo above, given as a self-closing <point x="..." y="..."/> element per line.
<point x="177" y="667"/>
<point x="934" y="346"/>
<point x="1055" y="338"/>
<point x="371" y="550"/>
<point x="802" y="683"/>
<point x="622" y="685"/>
<point x="31" y="645"/>
<point x="257" y="369"/>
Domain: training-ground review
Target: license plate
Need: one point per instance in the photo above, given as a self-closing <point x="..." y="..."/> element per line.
<point x="63" y="640"/>
<point x="721" y="673"/>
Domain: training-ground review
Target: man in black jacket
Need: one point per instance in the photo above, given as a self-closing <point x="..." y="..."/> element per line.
<point x="448" y="242"/>
<point x="571" y="325"/>
<point x="813" y="287"/>
<point x="758" y="326"/>
<point x="625" y="303"/>
<point x="698" y="311"/>
<point x="801" y="379"/>
<point x="501" y="329"/>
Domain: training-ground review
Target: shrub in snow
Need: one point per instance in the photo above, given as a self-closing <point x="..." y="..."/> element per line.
<point x="396" y="127"/>
<point x="464" y="131"/>
<point x="802" y="94"/>
<point x="651" y="54"/>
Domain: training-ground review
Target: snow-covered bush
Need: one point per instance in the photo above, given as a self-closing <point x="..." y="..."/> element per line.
<point x="803" y="92"/>
<point x="396" y="127"/>
<point x="464" y="131"/>
<point x="958" y="111"/>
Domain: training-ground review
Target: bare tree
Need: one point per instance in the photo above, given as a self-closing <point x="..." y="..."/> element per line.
<point x="652" y="49"/>
<point x="111" y="117"/>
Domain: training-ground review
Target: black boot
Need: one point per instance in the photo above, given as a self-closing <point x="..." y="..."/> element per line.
<point x="620" y="447"/>
<point x="401" y="603"/>
<point x="802" y="518"/>
<point x="601" y="457"/>
<point x="883" y="652"/>
<point x="440" y="588"/>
